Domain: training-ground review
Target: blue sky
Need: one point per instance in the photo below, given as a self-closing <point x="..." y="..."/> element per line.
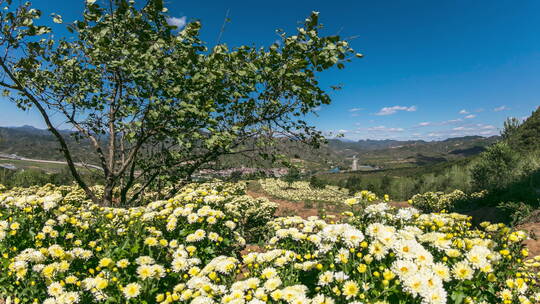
<point x="432" y="69"/>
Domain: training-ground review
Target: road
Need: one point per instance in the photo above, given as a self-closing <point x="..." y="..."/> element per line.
<point x="59" y="162"/>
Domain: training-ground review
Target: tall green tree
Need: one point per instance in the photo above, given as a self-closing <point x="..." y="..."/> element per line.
<point x="153" y="100"/>
<point x="511" y="125"/>
<point x="293" y="175"/>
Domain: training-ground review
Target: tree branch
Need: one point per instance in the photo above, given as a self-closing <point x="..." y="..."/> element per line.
<point x="54" y="131"/>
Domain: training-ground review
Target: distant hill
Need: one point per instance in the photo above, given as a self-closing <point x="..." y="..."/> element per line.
<point x="395" y="153"/>
<point x="374" y="144"/>
<point x="368" y="144"/>
<point x="30" y="142"/>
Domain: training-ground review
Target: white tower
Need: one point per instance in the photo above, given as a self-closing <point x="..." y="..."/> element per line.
<point x="354" y="163"/>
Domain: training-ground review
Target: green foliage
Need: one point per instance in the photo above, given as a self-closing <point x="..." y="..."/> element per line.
<point x="353" y="183"/>
<point x="26" y="178"/>
<point x="235" y="176"/>
<point x="495" y="169"/>
<point x="438" y="201"/>
<point x="401" y="188"/>
<point x="525" y="136"/>
<point x="250" y="214"/>
<point x="403" y="183"/>
<point x="293" y="175"/>
<point x="510" y="127"/>
<point x="516" y="211"/>
<point x="316" y="183"/>
<point x="35" y="177"/>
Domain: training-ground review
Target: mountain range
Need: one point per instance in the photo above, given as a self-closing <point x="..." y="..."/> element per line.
<point x="31" y="142"/>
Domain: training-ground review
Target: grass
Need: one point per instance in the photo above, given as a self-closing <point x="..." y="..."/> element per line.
<point x="25" y="164"/>
<point x="408" y="171"/>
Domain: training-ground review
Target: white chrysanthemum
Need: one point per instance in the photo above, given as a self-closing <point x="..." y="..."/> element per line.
<point x="55" y="289"/>
<point x="462" y="271"/>
<point x="69" y="298"/>
<point x="272" y="284"/>
<point x="404" y="268"/>
<point x="131" y="290"/>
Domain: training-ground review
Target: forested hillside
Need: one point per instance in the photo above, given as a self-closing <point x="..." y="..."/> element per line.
<point x="30" y="142"/>
<point x="526" y="136"/>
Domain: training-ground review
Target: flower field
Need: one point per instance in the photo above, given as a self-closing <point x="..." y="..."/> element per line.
<point x="57" y="247"/>
<point x="300" y="191"/>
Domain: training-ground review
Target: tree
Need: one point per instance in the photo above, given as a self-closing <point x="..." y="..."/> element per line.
<point x="496" y="167"/>
<point x="524" y="136"/>
<point x="354" y="184"/>
<point x="153" y="101"/>
<point x="511" y="125"/>
<point x="293" y="175"/>
<point x="236" y="176"/>
<point x="316" y="183"/>
<point x="385" y="183"/>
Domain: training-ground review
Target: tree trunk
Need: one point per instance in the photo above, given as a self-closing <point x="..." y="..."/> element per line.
<point x="108" y="194"/>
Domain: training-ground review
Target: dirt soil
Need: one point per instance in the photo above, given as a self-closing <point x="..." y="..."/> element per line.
<point x="533" y="229"/>
<point x="287" y="208"/>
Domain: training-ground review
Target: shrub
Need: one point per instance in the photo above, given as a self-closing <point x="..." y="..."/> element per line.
<point x="249" y="213"/>
<point x="252" y="215"/>
<point x="293" y="175"/>
<point x="516" y="212"/>
<point x="438" y="201"/>
<point x="496" y="168"/>
<point x="316" y="183"/>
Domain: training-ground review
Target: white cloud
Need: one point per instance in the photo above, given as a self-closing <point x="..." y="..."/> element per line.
<point x="463" y="112"/>
<point x="451" y="121"/>
<point x="343" y="131"/>
<point x="487" y="127"/>
<point x="470" y="116"/>
<point x="394" y="109"/>
<point x="441" y="123"/>
<point x="355" y="109"/>
<point x="462" y="129"/>
<point x="178" y="22"/>
<point x="501" y="108"/>
<point x="385" y="129"/>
